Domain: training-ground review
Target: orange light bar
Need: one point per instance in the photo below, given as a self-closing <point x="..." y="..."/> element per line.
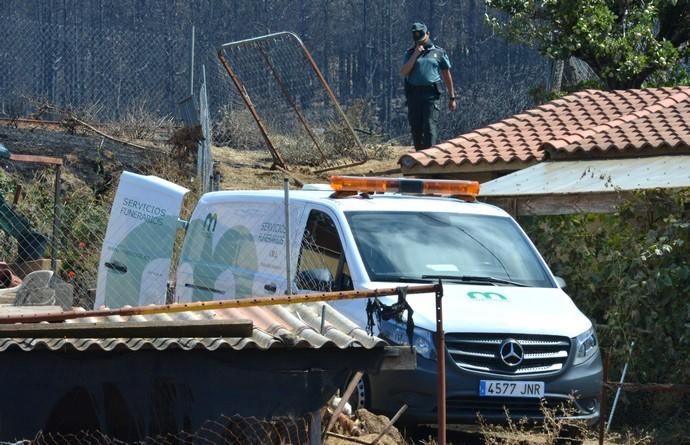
<point x="410" y="186"/>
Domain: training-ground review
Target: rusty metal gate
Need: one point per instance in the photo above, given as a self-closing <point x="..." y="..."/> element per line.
<point x="297" y="113"/>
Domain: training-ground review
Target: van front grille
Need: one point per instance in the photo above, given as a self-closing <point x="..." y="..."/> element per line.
<point x="509" y="354"/>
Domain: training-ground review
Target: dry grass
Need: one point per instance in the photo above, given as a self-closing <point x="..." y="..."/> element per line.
<point x="250" y="169"/>
<point x="556" y="429"/>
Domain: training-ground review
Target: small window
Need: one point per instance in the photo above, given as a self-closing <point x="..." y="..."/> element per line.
<point x="322" y="265"/>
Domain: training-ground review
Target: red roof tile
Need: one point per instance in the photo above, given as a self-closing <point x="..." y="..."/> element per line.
<point x="587" y="121"/>
<point x="662" y="128"/>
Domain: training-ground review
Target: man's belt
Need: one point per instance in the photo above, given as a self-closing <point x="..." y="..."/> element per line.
<point x="422" y="88"/>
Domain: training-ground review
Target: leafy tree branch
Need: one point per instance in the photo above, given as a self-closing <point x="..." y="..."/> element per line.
<point x="628" y="43"/>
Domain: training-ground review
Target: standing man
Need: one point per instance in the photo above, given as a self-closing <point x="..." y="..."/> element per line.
<point x="425" y="65"/>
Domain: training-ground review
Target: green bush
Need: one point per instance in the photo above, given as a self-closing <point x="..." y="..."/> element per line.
<point x="80" y="230"/>
<point x="630" y="273"/>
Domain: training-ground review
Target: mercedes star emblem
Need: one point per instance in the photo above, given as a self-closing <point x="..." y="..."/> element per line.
<point x="511" y="352"/>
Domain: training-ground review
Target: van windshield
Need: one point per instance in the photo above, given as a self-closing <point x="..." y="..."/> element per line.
<point x="406" y="246"/>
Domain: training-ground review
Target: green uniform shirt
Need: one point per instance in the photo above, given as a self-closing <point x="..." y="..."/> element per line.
<point x="428" y="66"/>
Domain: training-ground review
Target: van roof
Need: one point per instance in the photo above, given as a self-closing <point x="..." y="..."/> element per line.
<point x="378" y="202"/>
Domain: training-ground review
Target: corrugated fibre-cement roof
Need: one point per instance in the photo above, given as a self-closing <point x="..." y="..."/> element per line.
<point x="587" y="121"/>
<point x="592" y="176"/>
<point x="287" y="326"/>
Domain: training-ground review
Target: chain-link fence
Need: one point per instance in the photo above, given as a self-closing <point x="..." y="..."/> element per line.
<point x="109" y="92"/>
<point x="110" y="60"/>
<point x="102" y="73"/>
<point x="296" y="111"/>
<point x="49" y="241"/>
<point x="103" y="76"/>
<point x="230" y="430"/>
<point x="126" y="86"/>
<point x="233" y="245"/>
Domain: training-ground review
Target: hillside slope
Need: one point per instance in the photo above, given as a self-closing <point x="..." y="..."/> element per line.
<point x="94" y="160"/>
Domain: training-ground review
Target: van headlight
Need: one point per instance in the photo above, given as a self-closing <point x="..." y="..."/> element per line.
<point x="396" y="332"/>
<point x="585" y="346"/>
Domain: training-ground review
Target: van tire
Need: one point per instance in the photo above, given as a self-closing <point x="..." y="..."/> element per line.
<point x="360" y="397"/>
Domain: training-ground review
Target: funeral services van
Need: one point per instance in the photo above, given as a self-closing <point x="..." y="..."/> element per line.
<point x="514" y="340"/>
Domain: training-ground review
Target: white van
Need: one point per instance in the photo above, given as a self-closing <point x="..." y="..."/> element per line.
<point x="514" y="339"/>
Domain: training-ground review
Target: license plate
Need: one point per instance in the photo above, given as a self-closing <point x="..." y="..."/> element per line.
<point x="504" y="388"/>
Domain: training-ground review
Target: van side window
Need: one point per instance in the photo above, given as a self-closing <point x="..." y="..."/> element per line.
<point x="322" y="265"/>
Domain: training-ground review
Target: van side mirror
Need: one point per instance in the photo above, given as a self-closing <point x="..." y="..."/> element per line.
<point x="560" y="282"/>
<point x="319" y="279"/>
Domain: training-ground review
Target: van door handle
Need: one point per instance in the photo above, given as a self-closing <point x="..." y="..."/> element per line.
<point x="270" y="287"/>
<point x="116" y="266"/>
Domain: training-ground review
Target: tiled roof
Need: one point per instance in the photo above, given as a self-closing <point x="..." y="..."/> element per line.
<point x="623" y="120"/>
<point x="288" y="326"/>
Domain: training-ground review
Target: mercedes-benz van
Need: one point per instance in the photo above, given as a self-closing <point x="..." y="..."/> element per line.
<point x="514" y="340"/>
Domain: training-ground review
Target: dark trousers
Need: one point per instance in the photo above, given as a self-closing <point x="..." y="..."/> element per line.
<point x="422" y="113"/>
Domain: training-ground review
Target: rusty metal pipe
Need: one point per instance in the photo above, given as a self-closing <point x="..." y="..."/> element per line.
<point x="219" y="304"/>
<point x="277" y="159"/>
<point x="650" y="387"/>
<point x="338" y="167"/>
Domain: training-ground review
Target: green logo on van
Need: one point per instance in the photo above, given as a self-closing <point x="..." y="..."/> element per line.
<point x="210" y="222"/>
<point x="487" y="296"/>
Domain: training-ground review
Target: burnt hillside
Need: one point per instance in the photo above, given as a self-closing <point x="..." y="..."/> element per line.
<point x="110" y="56"/>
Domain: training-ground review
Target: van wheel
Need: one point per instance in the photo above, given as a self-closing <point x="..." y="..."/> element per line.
<point x="360" y="396"/>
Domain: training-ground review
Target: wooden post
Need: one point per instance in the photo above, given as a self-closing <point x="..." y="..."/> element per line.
<point x="389" y="424"/>
<point x="346" y="396"/>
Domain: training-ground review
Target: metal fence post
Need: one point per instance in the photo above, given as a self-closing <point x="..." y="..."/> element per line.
<point x="441" y="367"/>
<point x="191" y="68"/>
<point x="618" y="390"/>
<point x="56" y="219"/>
<point x="288" y="271"/>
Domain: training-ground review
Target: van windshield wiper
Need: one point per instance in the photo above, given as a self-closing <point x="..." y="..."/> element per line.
<point x="476" y="279"/>
<point x="402" y="278"/>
